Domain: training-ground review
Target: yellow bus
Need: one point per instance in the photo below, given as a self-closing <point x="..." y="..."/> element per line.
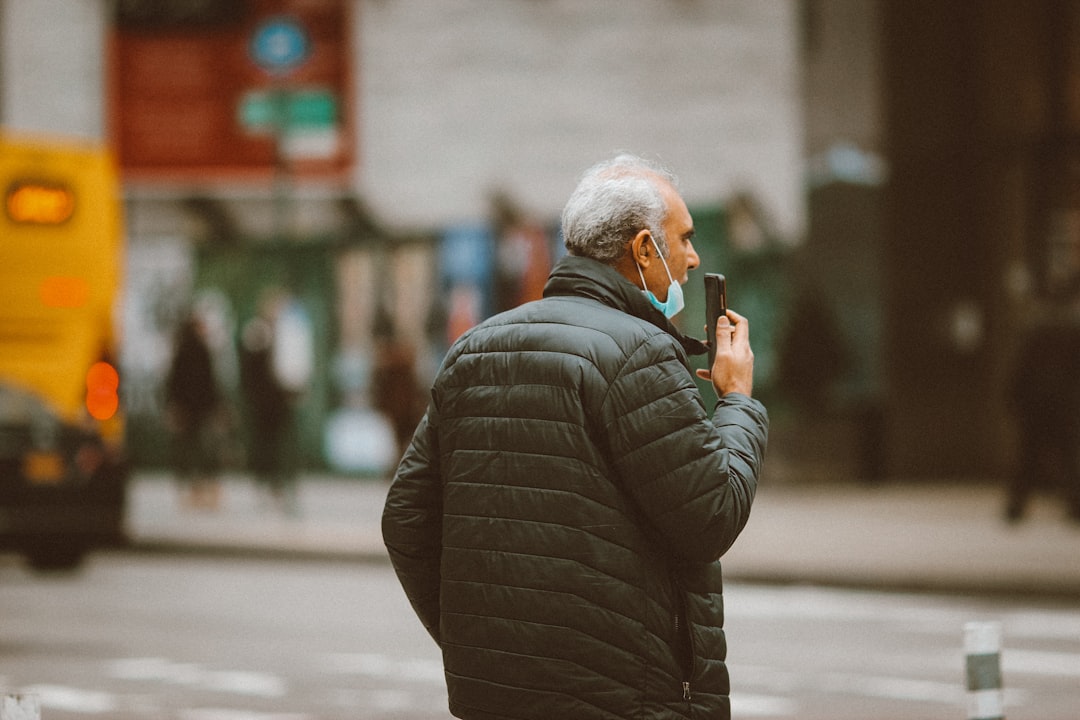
<point x="63" y="474"/>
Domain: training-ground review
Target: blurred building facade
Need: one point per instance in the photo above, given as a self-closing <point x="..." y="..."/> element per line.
<point x="381" y="160"/>
<point x="944" y="209"/>
<point x="913" y="162"/>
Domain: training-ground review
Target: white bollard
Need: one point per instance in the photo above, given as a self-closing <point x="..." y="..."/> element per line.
<point x="985" y="694"/>
<point x="20" y="707"/>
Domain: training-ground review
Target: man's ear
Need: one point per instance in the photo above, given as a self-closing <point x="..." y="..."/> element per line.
<point x="642" y="248"/>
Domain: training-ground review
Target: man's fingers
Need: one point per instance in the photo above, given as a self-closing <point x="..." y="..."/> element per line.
<point x="734" y="365"/>
<point x="741" y="332"/>
<point x="731" y="328"/>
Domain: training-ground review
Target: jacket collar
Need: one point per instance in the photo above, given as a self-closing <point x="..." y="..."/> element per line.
<point x="585" y="277"/>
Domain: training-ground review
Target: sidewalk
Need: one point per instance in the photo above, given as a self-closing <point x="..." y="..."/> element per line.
<point x="910" y="536"/>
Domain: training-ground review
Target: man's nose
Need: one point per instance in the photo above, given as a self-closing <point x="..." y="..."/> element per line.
<point x="692" y="259"/>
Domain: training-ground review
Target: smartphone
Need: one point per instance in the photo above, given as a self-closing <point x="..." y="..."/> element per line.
<point x="715" y="306"/>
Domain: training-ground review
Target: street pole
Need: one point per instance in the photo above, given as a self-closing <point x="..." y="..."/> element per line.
<point x="279" y="45"/>
<point x="282" y="183"/>
<point x="985" y="695"/>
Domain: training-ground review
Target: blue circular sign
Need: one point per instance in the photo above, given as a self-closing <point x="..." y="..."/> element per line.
<point x="280" y="44"/>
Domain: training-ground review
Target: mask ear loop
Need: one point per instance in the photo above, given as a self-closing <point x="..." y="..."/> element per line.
<point x="644" y="284"/>
<point x="667" y="270"/>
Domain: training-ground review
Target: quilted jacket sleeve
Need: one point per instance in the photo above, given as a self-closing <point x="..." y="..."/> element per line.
<point x="412" y="523"/>
<point x="692" y="476"/>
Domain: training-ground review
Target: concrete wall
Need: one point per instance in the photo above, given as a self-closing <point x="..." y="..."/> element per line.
<point x="842" y="75"/>
<point x="52" y="59"/>
<point x="459" y="97"/>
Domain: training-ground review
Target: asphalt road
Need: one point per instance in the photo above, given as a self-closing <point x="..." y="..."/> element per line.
<point x="154" y="637"/>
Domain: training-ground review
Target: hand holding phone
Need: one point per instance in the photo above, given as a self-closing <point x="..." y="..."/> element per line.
<point x="715" y="306"/>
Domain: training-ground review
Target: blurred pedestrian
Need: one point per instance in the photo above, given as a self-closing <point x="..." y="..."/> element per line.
<point x="395" y="391"/>
<point x="522" y="260"/>
<point x="269" y="397"/>
<point x="557" y="519"/>
<point x="1045" y="399"/>
<point x="194" y="415"/>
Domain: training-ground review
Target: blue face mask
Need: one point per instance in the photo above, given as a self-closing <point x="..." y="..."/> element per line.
<point x="675" y="301"/>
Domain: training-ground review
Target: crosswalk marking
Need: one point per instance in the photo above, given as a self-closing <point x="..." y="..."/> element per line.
<point x="749" y="705"/>
<point x="376" y="665"/>
<point x="69" y="699"/>
<point x="234" y="714"/>
<point x="1041" y="624"/>
<point x="761" y="691"/>
<point x="888" y="687"/>
<point x="1040" y="662"/>
<point x="238" y="682"/>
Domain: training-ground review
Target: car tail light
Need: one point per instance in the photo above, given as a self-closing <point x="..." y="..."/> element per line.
<point x="43" y="467"/>
<point x="102" y="391"/>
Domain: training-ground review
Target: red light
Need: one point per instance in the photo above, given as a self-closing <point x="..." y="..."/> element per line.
<point x="102" y="384"/>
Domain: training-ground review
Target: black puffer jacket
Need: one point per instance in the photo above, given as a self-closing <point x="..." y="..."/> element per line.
<point x="557" y="520"/>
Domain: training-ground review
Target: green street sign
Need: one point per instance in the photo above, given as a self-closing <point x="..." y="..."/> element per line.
<point x="263" y="111"/>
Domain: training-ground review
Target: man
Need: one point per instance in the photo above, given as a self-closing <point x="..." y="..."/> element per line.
<point x="557" y="519"/>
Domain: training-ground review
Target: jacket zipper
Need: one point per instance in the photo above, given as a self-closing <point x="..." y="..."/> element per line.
<point x="685" y="651"/>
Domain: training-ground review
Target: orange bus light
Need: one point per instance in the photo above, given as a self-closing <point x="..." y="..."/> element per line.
<point x="39" y="203"/>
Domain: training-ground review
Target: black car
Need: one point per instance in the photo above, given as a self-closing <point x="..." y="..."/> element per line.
<point x="62" y="491"/>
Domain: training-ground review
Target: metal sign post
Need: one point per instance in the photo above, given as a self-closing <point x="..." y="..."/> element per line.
<point x="279" y="45"/>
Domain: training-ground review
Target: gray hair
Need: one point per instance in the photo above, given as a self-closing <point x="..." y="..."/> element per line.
<point x="614" y="201"/>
